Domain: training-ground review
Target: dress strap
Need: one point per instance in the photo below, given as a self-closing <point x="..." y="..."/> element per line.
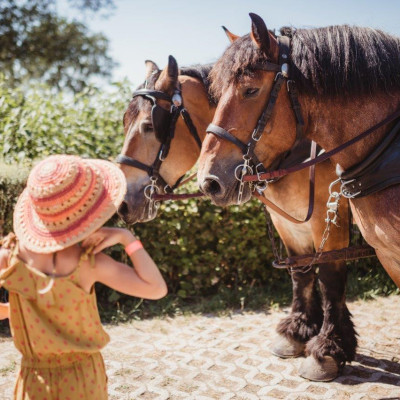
<point x="87" y="254"/>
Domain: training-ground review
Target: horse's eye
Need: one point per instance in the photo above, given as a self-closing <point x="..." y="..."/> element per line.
<point x="251" y="92"/>
<point x="146" y="128"/>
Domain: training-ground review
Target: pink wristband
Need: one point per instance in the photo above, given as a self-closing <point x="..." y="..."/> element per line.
<point x="133" y="247"/>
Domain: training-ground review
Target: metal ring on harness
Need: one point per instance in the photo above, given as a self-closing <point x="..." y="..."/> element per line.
<point x="149" y="190"/>
<point x="243" y="168"/>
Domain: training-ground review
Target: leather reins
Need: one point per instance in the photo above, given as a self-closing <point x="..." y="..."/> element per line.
<point x="279" y="173"/>
<point x="250" y="159"/>
<point x="164" y="123"/>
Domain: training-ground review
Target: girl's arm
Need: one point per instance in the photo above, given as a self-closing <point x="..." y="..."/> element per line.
<point x="4" y="310"/>
<point x="144" y="280"/>
<point x="4" y="307"/>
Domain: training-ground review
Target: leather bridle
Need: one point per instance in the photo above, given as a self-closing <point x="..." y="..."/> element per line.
<point x="250" y="161"/>
<point x="163" y="122"/>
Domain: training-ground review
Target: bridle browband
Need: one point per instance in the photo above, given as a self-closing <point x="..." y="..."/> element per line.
<point x="164" y="122"/>
<point x="250" y="160"/>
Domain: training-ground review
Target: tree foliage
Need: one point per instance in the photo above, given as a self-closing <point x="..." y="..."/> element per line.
<point x="36" y="43"/>
<point x="92" y="5"/>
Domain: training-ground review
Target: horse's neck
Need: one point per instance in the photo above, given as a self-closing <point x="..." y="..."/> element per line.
<point x="333" y="122"/>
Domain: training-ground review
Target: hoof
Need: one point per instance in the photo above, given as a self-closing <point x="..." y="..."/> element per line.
<point x="314" y="370"/>
<point x="287" y="348"/>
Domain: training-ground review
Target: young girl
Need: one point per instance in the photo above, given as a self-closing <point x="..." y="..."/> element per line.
<point x="50" y="266"/>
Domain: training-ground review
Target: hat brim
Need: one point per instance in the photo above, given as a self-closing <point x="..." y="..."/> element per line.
<point x="34" y="235"/>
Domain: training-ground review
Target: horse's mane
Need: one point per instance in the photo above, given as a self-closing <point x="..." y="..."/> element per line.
<point x="202" y="73"/>
<point x="331" y="61"/>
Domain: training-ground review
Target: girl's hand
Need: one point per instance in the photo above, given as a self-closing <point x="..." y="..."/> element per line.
<point x="4" y="310"/>
<point x="107" y="237"/>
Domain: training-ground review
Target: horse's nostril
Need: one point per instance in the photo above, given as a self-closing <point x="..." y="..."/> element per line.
<point x="123" y="209"/>
<point x="211" y="187"/>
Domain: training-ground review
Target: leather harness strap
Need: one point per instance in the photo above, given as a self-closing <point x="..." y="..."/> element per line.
<point x="224" y="134"/>
<point x="157" y="94"/>
<point x="123" y="159"/>
<point x="192" y="129"/>
<point x="311" y="191"/>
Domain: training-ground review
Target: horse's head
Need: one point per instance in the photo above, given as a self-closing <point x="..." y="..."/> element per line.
<point x="242" y="80"/>
<point x="159" y="146"/>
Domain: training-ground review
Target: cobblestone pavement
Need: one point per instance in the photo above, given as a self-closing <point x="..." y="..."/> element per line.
<point x="207" y="357"/>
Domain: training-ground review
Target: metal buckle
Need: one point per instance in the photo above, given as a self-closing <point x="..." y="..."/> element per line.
<point x="262" y="184"/>
<point x="260" y="172"/>
<point x="346" y="193"/>
<point x="244" y="169"/>
<point x="161" y="156"/>
<point x="255" y="138"/>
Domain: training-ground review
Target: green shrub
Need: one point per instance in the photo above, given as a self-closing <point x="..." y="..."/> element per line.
<point x="12" y="181"/>
<point x="205" y="252"/>
<point x="36" y="122"/>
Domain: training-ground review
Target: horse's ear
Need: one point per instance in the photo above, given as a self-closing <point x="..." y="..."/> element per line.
<point x="259" y="33"/>
<point x="151" y="67"/>
<point x="231" y="36"/>
<point x="168" y="79"/>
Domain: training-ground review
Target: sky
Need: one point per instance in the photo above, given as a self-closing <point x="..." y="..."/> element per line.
<point x="191" y="30"/>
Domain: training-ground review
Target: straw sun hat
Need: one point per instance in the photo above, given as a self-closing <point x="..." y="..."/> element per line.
<point x="66" y="199"/>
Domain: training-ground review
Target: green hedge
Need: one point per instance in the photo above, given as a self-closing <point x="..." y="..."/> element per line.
<point x="36" y="122"/>
<point x="12" y="182"/>
<point x="203" y="250"/>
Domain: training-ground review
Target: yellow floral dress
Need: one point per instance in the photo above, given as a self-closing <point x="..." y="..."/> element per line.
<point x="59" y="334"/>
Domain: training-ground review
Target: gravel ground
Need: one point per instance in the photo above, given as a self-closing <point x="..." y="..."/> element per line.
<point x="209" y="357"/>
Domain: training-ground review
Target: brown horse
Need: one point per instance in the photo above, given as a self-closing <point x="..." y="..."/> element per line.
<point x="325" y="327"/>
<point x="347" y="80"/>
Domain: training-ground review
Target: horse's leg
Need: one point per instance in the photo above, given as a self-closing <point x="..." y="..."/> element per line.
<point x="305" y="318"/>
<point x="336" y="342"/>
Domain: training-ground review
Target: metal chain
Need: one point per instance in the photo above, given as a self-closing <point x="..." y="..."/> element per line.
<point x="271" y="235"/>
<point x="242" y="169"/>
<point x="149" y="191"/>
<point x="331" y="218"/>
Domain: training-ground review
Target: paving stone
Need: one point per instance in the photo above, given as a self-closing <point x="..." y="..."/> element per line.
<point x="227" y="358"/>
